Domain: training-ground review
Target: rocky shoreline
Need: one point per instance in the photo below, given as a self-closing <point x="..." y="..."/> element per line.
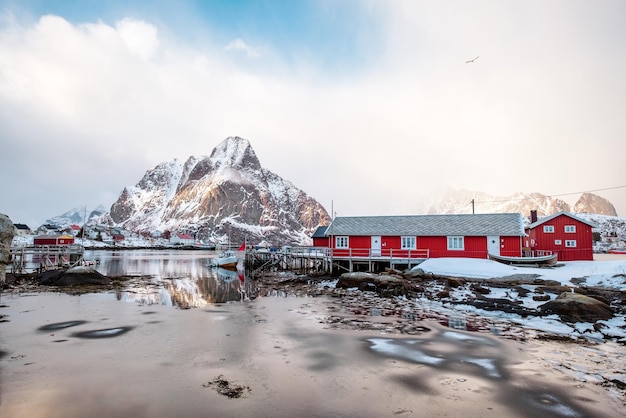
<point x="402" y="294"/>
<point x="402" y="297"/>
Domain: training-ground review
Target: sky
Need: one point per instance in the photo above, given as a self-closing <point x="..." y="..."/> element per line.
<point x="370" y="106"/>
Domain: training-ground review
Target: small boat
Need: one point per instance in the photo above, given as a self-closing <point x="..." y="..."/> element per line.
<point x="548" y="260"/>
<point x="227" y="259"/>
<point x="617" y="251"/>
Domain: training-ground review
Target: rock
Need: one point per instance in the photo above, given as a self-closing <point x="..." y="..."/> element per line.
<point x="574" y="307"/>
<point x="349" y="280"/>
<point x="385" y="285"/>
<point x="480" y="289"/>
<point x="454" y="283"/>
<point x="72" y="276"/>
<point x="6" y="238"/>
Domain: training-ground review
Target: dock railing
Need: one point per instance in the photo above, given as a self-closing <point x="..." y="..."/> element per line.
<point x="324" y="259"/>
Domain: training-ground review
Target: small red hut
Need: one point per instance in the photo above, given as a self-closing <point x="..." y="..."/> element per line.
<point x="53" y="240"/>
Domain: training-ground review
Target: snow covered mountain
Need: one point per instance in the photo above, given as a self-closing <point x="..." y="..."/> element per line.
<point x="466" y="201"/>
<point x="76" y="216"/>
<point x="225" y="197"/>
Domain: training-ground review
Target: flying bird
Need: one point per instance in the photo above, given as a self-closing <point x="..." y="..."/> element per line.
<point x="472" y="60"/>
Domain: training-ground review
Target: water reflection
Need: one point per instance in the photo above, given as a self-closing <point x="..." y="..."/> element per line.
<point x="173" y="278"/>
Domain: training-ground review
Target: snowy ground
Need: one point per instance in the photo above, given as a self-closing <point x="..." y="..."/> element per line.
<point x="607" y="272"/>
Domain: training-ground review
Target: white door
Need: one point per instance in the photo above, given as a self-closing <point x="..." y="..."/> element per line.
<point x="376" y="246"/>
<point x="493" y="244"/>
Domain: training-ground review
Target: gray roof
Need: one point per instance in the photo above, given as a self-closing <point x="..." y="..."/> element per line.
<point x="502" y="224"/>
<point x="320" y="232"/>
<point x="549" y="218"/>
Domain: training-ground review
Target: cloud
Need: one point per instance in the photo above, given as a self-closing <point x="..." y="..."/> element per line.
<point x="240" y="45"/>
<point x="140" y="37"/>
<point x="98" y="104"/>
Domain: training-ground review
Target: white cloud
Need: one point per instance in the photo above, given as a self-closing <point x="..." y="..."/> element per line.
<point x="140" y="37"/>
<point x="541" y="110"/>
<point x="240" y="45"/>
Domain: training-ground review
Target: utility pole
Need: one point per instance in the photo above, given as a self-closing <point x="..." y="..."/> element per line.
<point x="472" y="206"/>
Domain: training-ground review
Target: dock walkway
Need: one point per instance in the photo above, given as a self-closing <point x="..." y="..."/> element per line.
<point x="321" y="260"/>
<point x="28" y="259"/>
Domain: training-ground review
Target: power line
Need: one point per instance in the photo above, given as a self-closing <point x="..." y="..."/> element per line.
<point x="589" y="191"/>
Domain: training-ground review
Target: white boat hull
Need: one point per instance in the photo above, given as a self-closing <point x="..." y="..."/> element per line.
<point x="545" y="260"/>
<point x="226" y="260"/>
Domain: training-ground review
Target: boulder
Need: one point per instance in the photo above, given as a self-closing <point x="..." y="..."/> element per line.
<point x="385" y="285"/>
<point x="574" y="307"/>
<point x="6" y="238"/>
<point x="73" y="276"/>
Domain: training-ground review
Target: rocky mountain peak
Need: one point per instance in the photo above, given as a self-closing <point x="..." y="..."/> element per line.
<point x="234" y="152"/>
<point x="227" y="197"/>
<point x="591" y="203"/>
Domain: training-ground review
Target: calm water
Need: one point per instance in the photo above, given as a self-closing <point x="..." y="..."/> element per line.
<point x="178" y="278"/>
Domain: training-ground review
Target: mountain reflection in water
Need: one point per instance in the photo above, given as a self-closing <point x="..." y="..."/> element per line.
<point x="174" y="278"/>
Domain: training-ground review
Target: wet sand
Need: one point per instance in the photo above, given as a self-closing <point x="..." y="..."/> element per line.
<point x="93" y="355"/>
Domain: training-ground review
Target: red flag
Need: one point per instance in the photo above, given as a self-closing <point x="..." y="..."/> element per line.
<point x="243" y="247"/>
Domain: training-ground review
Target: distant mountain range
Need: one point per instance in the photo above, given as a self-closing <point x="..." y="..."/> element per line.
<point x="465" y="201"/>
<point x="229" y="196"/>
<point x="76" y="216"/>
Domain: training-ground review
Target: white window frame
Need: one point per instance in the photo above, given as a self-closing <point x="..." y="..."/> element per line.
<point x="557" y="242"/>
<point x="570" y="243"/>
<point x="342" y="241"/>
<point x="570" y="229"/>
<point x="456" y="243"/>
<point x="548" y="229"/>
<point x="408" y="243"/>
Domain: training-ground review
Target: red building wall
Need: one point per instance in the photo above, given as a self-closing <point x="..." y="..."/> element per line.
<point x="474" y="247"/>
<point x="539" y="240"/>
<point x="511" y="246"/>
<point x="53" y="240"/>
<point x="321" y="242"/>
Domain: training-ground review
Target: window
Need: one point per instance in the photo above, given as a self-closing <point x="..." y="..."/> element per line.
<point x="557" y="242"/>
<point x="455" y="243"/>
<point x="570" y="243"/>
<point x="408" y="243"/>
<point x="570" y="229"/>
<point x="548" y="228"/>
<point x="341" y="242"/>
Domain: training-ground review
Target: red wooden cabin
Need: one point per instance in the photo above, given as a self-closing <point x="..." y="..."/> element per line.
<point x="424" y="236"/>
<point x="53" y="240"/>
<point x="319" y="237"/>
<point x="562" y="233"/>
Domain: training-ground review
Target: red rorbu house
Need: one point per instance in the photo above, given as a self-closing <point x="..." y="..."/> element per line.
<point x="562" y="233"/>
<point x="319" y="237"/>
<point x="53" y="240"/>
<point x="375" y="242"/>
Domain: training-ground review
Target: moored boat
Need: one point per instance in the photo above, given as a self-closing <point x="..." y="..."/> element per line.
<point x="227" y="259"/>
<point x="549" y="259"/>
<point x="617" y="251"/>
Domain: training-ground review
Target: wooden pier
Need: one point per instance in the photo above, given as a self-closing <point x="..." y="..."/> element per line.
<point x="321" y="260"/>
<point x="304" y="260"/>
<point x="29" y="259"/>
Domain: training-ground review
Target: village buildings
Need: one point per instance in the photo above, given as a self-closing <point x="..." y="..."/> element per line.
<point x="404" y="240"/>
